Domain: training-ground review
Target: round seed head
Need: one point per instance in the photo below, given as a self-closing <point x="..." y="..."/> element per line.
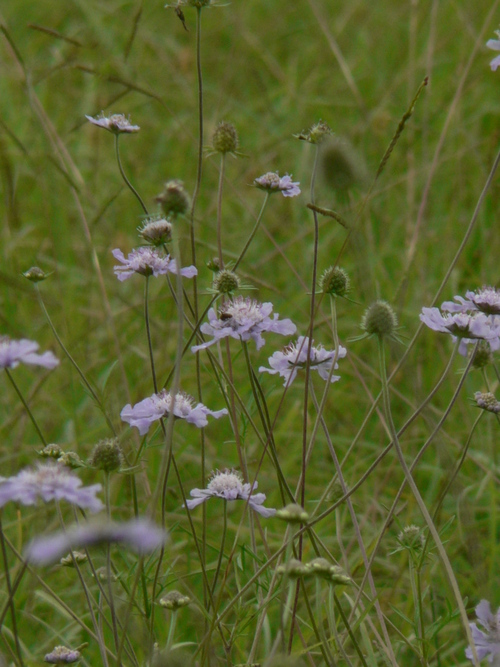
<point x="226" y="282"/>
<point x="174" y="199"/>
<point x="225" y="138"/>
<point x="107" y="455"/>
<point x="379" y="319"/>
<point x="335" y="281"/>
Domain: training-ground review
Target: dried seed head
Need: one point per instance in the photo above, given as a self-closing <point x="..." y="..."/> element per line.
<point x="225" y="138"/>
<point x="226" y="282"/>
<point x="379" y="319"/>
<point x="174" y="199"/>
<point x="335" y="281"/>
<point x="107" y="455"/>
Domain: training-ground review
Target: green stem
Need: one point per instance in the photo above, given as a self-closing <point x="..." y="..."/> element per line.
<point x="30" y="414"/>
<point x="253" y="232"/>
<point x="10" y="602"/>
<point x="127" y="182"/>
<point x="148" y="334"/>
<point x="219" y="209"/>
<point x="221" y="550"/>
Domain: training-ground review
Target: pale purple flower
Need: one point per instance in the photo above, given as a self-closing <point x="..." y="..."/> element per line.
<point x="61" y="655"/>
<point x="294" y="356"/>
<point x="271" y="182"/>
<point x="487" y="643"/>
<point x="13" y="352"/>
<point x="486" y="300"/>
<point x="494" y="44"/>
<point x="144" y="413"/>
<point x="148" y="262"/>
<point x="117" y="123"/>
<point x="245" y="319"/>
<point x="229" y="486"/>
<point x="48" y="482"/>
<point x="141" y="535"/>
<point x="487" y="401"/>
<point x="466" y="326"/>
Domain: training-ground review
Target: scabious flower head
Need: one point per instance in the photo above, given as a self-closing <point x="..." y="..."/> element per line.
<point x="51" y="451"/>
<point x="486" y="300"/>
<point x="294" y="356"/>
<point x="156" y="230"/>
<point x="292" y="513"/>
<point x="468" y="327"/>
<point x="49" y="482"/>
<point x="271" y="182"/>
<point x="14" y="352"/>
<point x="334" y="574"/>
<point x="140" y="535"/>
<point x="35" y="274"/>
<point x="225" y="138"/>
<point x="487" y="643"/>
<point x="335" y="281"/>
<point x="174" y="600"/>
<point x="117" y="123"/>
<point x="151" y="409"/>
<point x="61" y="655"/>
<point x="379" y="320"/>
<point x="487" y="401"/>
<point x="229" y="485"/>
<point x="107" y="455"/>
<point x="315" y="134"/>
<point x="494" y="44"/>
<point x="173" y="199"/>
<point x="245" y="319"/>
<point x="226" y="282"/>
<point x="148" y="262"/>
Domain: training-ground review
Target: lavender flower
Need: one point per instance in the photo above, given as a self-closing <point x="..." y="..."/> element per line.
<point x="486" y="300"/>
<point x="467" y="327"/>
<point x="13" y="352"/>
<point x="141" y="535"/>
<point x="61" y="655"/>
<point x="148" y="262"/>
<point x="271" y="182"/>
<point x="117" y="123"/>
<point x="49" y="481"/>
<point x="294" y="356"/>
<point x="243" y="318"/>
<point x="144" y="413"/>
<point x="494" y="44"/>
<point x="487" y="401"/>
<point x="487" y="643"/>
<point x="229" y="486"/>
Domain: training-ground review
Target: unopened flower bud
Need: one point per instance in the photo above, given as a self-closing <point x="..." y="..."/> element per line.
<point x="174" y="600"/>
<point x="379" y="319"/>
<point x="51" y="452"/>
<point x="107" y="455"/>
<point x="213" y="264"/>
<point x="35" y="274"/>
<point x="316" y="134"/>
<point x="487" y="401"/>
<point x="156" y="230"/>
<point x="77" y="557"/>
<point x="226" y="282"/>
<point x="225" y="138"/>
<point x="483" y="355"/>
<point x="71" y="460"/>
<point x="62" y="656"/>
<point x="174" y="199"/>
<point x="293" y="513"/>
<point x="335" y="281"/>
<point x="294" y="569"/>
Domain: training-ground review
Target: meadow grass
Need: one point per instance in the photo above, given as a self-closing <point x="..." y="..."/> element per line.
<point x="273" y="70"/>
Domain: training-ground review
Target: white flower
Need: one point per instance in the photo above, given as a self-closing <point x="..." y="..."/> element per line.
<point x="294" y="356"/>
<point x="144" y="413"/>
<point x="245" y="319"/>
<point x="229" y="486"/>
<point x="148" y="262"/>
<point x="117" y="123"/>
<point x="487" y="643"/>
<point x="14" y="352"/>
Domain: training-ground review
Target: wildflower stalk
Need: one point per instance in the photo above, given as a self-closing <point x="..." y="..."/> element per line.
<point x="416" y="493"/>
<point x="148" y="334"/>
<point x="87" y="384"/>
<point x="127" y="182"/>
<point x="318" y="617"/>
<point x="221" y="549"/>
<point x="10" y="601"/>
<point x="253" y="232"/>
<point x="30" y="414"/>
<point x="219" y="209"/>
<point x="171" y="629"/>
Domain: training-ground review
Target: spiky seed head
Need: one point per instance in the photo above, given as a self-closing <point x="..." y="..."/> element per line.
<point x="315" y="134"/>
<point x="226" y="282"/>
<point x="483" y="355"/>
<point x="174" y="600"/>
<point x="379" y="319"/>
<point x="107" y="455"/>
<point x="293" y="513"/>
<point x="335" y="281"/>
<point x="225" y="138"/>
<point x="174" y="199"/>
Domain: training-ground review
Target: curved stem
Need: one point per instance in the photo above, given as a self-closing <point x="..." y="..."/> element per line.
<point x="253" y="232"/>
<point x="127" y="182"/>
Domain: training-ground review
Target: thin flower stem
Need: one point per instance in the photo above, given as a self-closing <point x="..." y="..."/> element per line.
<point x="127" y="182"/>
<point x="420" y="502"/>
<point x="30" y="414"/>
<point x="10" y="602"/>
<point x="171" y="630"/>
<point x="148" y="334"/>
<point x="253" y="232"/>
<point x="219" y="209"/>
<point x="221" y="549"/>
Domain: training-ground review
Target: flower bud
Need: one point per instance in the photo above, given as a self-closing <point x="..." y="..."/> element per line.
<point x="487" y="401"/>
<point x="226" y="282"/>
<point x="174" y="199"/>
<point x="483" y="355"/>
<point x="335" y="281"/>
<point x="316" y="134"/>
<point x="51" y="452"/>
<point x="62" y="656"/>
<point x="156" y="230"/>
<point x="35" y="274"/>
<point x="294" y="569"/>
<point x="76" y="557"/>
<point x="293" y="513"/>
<point x="379" y="319"/>
<point x="71" y="460"/>
<point x="174" y="600"/>
<point x="225" y="138"/>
